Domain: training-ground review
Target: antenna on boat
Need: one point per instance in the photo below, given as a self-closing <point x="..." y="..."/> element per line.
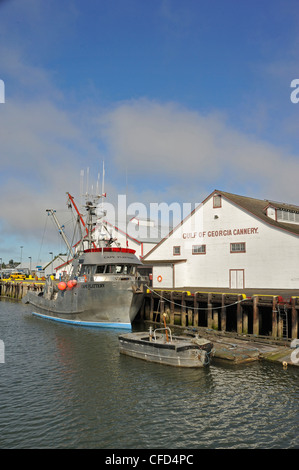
<point x="97" y="185"/>
<point x="91" y="204"/>
<point x="103" y="182"/>
<point x="103" y="230"/>
<point x="87" y="181"/>
<point x="103" y="178"/>
<point x="81" y="186"/>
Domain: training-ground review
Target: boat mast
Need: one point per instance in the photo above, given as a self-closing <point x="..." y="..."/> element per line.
<point x="82" y="221"/>
<point x="91" y="204"/>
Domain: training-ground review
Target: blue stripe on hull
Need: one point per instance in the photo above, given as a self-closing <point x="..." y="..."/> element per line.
<point x="85" y="323"/>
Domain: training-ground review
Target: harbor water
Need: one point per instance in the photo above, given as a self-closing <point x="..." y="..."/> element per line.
<point x="66" y="387"/>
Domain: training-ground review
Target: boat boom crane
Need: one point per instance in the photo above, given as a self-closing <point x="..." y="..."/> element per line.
<point x="52" y="212"/>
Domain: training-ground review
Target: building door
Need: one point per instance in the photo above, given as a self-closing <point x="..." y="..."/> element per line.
<point x="236" y="278"/>
<point x="163" y="276"/>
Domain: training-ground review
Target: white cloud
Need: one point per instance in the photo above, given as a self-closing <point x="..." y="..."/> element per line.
<point x="42" y="151"/>
<point x="154" y="139"/>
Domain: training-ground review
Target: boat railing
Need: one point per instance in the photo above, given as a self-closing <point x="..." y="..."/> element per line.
<point x="167" y="330"/>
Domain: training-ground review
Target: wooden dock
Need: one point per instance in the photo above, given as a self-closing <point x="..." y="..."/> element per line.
<point x="260" y="315"/>
<point x="234" y="349"/>
<point x="18" y="289"/>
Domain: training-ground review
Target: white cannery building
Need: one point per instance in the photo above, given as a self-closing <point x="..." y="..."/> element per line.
<point x="231" y="242"/>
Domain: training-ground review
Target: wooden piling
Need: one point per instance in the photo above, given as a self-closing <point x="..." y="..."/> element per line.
<point x="171" y="319"/>
<point x="239" y="315"/>
<point x="223" y="313"/>
<point x="210" y="312"/>
<point x="280" y="327"/>
<point x="152" y="300"/>
<point x="294" y="314"/>
<point x="274" y="317"/>
<point x="183" y="309"/>
<point x="245" y="322"/>
<point x="190" y="317"/>
<point x="256" y="326"/>
<point x="215" y="319"/>
<point x="195" y="311"/>
<point x="161" y="305"/>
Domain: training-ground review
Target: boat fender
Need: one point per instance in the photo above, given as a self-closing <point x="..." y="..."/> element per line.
<point x="159" y="278"/>
<point x="61" y="286"/>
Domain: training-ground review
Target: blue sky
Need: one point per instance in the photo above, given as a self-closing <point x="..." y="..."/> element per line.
<point x="177" y="98"/>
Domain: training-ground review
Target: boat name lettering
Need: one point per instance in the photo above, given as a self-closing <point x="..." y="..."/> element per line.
<point x="222" y="233"/>
<point x="92" y="286"/>
<point x="128" y="256"/>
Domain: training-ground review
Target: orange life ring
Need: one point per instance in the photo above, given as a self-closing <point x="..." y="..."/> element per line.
<point x="159" y="278"/>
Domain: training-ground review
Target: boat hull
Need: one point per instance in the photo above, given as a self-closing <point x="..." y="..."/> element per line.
<point x="179" y="352"/>
<point x="104" y="304"/>
<point x="71" y="321"/>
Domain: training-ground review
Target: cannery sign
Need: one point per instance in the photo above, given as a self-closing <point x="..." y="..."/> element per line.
<point x="222" y="233"/>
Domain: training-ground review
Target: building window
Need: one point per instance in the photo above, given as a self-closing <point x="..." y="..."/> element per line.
<point x="217" y="200"/>
<point x="198" y="249"/>
<point x="237" y="248"/>
<point x="287" y="216"/>
<point x="176" y="250"/>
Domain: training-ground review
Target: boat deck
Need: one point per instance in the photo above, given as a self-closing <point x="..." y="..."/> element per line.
<point x="175" y="342"/>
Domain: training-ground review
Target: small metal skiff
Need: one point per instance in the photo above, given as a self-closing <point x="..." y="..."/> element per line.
<point x="162" y="347"/>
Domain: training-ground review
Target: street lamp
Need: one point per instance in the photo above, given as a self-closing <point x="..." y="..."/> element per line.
<point x="30" y="265"/>
<point x="21" y="256"/>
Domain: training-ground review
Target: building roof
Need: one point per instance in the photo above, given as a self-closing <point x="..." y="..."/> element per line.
<point x="257" y="207"/>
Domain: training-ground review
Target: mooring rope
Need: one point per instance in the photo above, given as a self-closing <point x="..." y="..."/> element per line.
<point x="194" y="308"/>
